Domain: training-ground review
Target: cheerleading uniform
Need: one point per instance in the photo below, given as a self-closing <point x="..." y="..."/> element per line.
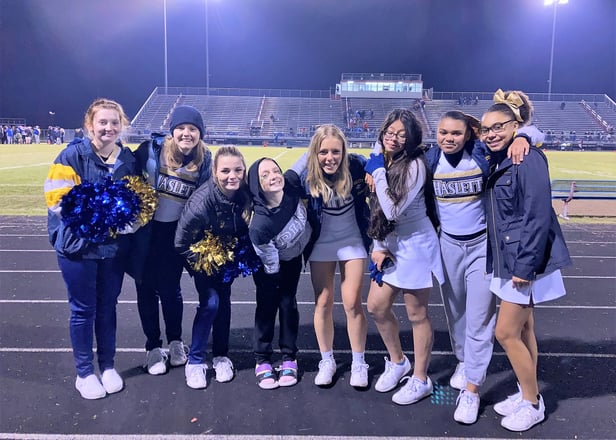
<point x="209" y="210"/>
<point x="470" y="307"/>
<point x="92" y="272"/>
<point x="354" y="212"/>
<point x="158" y="267"/>
<point x="413" y="243"/>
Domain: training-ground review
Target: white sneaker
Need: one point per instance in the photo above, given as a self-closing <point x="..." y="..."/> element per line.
<point x="196" y="375"/>
<point x="458" y="379"/>
<point x="177" y="354"/>
<point x="90" y="387"/>
<point x="112" y="382"/>
<point x="224" y="369"/>
<point x="413" y="391"/>
<point x="524" y="417"/>
<point x="327" y="370"/>
<point x="359" y="375"/>
<point x="467" y="407"/>
<point x="156" y="362"/>
<point x="392" y="375"/>
<point x="507" y="406"/>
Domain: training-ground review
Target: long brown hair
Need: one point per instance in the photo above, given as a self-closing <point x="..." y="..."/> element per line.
<point x="397" y="168"/>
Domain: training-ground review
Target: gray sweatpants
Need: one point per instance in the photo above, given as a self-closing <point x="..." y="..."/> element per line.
<point x="469" y="305"/>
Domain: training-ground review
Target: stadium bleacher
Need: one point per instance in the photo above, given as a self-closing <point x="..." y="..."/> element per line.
<point x="257" y="116"/>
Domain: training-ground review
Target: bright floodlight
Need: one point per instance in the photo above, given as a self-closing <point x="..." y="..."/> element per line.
<point x="550" y="2"/>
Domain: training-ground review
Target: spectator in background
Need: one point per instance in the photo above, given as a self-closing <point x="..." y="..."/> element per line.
<point x="526" y="251"/>
<point x="36" y="131"/>
<point x="9" y="134"/>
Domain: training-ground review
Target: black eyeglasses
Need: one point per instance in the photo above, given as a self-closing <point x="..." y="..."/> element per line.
<point x="496" y="128"/>
<point x="400" y="135"/>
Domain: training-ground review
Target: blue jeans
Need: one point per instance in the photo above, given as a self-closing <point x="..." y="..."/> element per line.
<point x="93" y="289"/>
<point x="161" y="280"/>
<point x="213" y="313"/>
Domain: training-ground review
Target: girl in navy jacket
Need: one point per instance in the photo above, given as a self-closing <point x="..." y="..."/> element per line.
<point x="526" y="251"/>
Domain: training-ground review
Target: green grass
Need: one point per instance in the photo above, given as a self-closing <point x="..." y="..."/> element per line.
<point x="23" y="169"/>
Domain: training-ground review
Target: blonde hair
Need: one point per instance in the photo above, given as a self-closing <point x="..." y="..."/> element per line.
<point x="245" y="200"/>
<point x="174" y="156"/>
<point x="341" y="182"/>
<point x="109" y="104"/>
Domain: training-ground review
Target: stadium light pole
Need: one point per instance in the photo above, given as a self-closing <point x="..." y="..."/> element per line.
<point x="207" y="50"/>
<point x="165" y="32"/>
<point x="554" y="4"/>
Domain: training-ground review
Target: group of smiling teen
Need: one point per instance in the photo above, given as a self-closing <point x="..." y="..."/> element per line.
<point x="473" y="214"/>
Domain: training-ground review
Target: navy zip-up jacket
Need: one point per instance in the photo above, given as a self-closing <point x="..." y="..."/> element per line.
<point x="524" y="236"/>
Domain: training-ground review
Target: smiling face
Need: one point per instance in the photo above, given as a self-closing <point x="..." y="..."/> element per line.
<point x="497" y="130"/>
<point x="186" y="137"/>
<point x="452" y="134"/>
<point x="330" y="154"/>
<point x="104" y="128"/>
<point x="394" y="137"/>
<point x="229" y="174"/>
<point x="271" y="179"/>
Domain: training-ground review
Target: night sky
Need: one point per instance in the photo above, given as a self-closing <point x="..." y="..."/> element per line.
<point x="59" y="55"/>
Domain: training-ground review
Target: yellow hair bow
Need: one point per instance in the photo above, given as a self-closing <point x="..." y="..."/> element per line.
<point x="513" y="101"/>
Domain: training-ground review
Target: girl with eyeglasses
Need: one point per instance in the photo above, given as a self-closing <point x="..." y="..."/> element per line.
<point x="405" y="240"/>
<point x="338" y="215"/>
<point x="526" y="250"/>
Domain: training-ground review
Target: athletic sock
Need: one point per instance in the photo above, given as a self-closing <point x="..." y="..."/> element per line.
<point x="358" y="357"/>
<point x="327" y="355"/>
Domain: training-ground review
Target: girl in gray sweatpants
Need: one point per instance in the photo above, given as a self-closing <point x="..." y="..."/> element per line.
<point x="460" y="167"/>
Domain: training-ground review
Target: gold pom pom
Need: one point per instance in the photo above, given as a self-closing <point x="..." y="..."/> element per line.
<point x="212" y="253"/>
<point x="147" y="195"/>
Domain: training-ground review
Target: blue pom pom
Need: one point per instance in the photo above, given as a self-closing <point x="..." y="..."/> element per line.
<point x="94" y="211"/>
<point x="245" y="262"/>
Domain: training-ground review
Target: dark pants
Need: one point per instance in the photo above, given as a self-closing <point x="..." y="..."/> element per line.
<point x="213" y="313"/>
<point x="276" y="294"/>
<point x="93" y="289"/>
<point x="161" y="280"/>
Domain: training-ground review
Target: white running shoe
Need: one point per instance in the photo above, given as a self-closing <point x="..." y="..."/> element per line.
<point x="458" y="378"/>
<point x="90" y="387"/>
<point x="467" y="407"/>
<point x="112" y="381"/>
<point x="224" y="369"/>
<point x="359" y="375"/>
<point x="196" y="375"/>
<point x="413" y="391"/>
<point x="327" y="370"/>
<point x="524" y="417"/>
<point x="392" y="375"/>
<point x="156" y="361"/>
<point x="507" y="406"/>
<point x="177" y="354"/>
